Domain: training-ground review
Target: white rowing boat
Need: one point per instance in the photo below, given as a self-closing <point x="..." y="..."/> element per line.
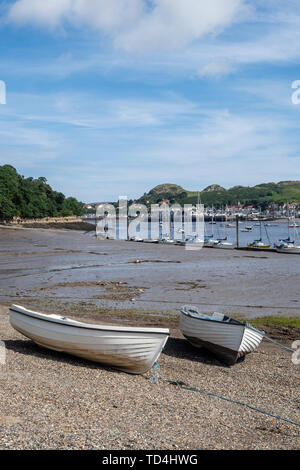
<point x="130" y="349"/>
<point x="227" y="338"/>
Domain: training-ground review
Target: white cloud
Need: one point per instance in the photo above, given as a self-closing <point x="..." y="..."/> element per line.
<point x="130" y="144"/>
<point x="134" y="25"/>
<point x="49" y="13"/>
<point x="173" y="24"/>
<point x="216" y="69"/>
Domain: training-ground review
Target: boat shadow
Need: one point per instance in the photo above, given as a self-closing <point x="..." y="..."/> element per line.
<point x="182" y="349"/>
<point x="175" y="347"/>
<point x="29" y="348"/>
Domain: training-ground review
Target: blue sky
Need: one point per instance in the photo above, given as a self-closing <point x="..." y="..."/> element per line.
<point x="112" y="98"/>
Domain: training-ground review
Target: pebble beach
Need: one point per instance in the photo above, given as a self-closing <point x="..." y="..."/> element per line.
<point x="49" y="400"/>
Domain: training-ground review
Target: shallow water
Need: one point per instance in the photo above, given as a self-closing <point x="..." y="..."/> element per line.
<point x="269" y="232"/>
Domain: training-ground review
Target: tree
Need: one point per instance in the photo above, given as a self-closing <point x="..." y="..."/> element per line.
<point x="32" y="198"/>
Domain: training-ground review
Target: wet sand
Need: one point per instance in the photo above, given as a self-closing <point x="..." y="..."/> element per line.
<point x="68" y="266"/>
<point x="49" y="400"/>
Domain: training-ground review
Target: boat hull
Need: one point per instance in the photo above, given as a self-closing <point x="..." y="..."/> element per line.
<point x="288" y="249"/>
<point x="133" y="350"/>
<point x="253" y="245"/>
<point x="227" y="341"/>
<point x="224" y="246"/>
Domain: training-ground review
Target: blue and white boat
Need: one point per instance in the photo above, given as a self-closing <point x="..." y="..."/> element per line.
<point x="227" y="338"/>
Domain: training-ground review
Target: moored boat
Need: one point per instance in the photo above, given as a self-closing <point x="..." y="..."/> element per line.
<point x="210" y="241"/>
<point x="258" y="244"/>
<point x="167" y="241"/>
<point x="192" y="242"/>
<point x="224" y="245"/>
<point x="287" y="247"/>
<point x="227" y="338"/>
<point x="130" y="349"/>
<point x="230" y="225"/>
<point x="136" y="239"/>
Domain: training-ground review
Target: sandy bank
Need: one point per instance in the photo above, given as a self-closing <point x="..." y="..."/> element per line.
<point x="51" y="224"/>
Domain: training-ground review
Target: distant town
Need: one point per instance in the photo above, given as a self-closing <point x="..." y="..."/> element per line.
<point x="262" y="202"/>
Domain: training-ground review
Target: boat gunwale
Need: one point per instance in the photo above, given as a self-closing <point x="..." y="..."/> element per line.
<point x="87" y="326"/>
<point x="244" y="324"/>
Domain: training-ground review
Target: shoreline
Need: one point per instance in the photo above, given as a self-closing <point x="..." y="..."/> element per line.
<point x="50" y="225"/>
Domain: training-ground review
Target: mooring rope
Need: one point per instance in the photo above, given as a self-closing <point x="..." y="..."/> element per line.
<point x="270" y="339"/>
<point x="156" y="375"/>
<point x="279" y="344"/>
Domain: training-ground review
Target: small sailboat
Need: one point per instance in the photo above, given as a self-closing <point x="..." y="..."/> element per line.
<point x="210" y="241"/>
<point x="224" y="244"/>
<point x="287" y="248"/>
<point x="293" y="223"/>
<point x="287" y="245"/>
<point x="259" y="243"/>
<point x="130" y="349"/>
<point x="248" y="228"/>
<point x="227" y="338"/>
<point x="136" y="239"/>
<point x="193" y="241"/>
<point x="167" y="240"/>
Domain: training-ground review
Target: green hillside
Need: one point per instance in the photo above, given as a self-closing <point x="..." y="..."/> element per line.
<point x="32" y="198"/>
<point x="261" y="195"/>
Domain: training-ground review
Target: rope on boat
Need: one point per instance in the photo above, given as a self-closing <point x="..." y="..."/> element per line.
<point x="156" y="375"/>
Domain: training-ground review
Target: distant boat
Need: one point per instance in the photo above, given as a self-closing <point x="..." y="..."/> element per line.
<point x="136" y="239"/>
<point x="210" y="242"/>
<point x="224" y="245"/>
<point x="151" y="240"/>
<point x="294" y="225"/>
<point x="287" y="247"/>
<point x="227" y="338"/>
<point x="192" y="240"/>
<point x="247" y="229"/>
<point x="258" y="244"/>
<point x="130" y="349"/>
<point x="167" y="241"/>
